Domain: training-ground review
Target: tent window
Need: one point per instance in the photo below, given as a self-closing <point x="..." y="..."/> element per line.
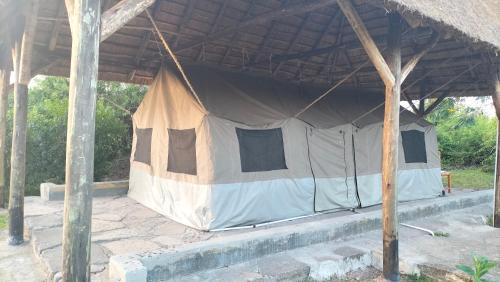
<point x="143" y="145"/>
<point x="182" y="151"/>
<point x="414" y="146"/>
<point x="261" y="150"/>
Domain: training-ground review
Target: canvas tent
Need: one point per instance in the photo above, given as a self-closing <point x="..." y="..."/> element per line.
<point x="244" y="158"/>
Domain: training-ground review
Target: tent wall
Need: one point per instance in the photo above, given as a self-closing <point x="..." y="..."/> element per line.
<point x="240" y="198"/>
<point x="415" y="180"/>
<point x="333" y="167"/>
<point x="248" y="161"/>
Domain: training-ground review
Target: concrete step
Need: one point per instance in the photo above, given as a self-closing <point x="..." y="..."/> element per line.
<point x="271" y="268"/>
<point x="321" y="262"/>
<point x="289" y="239"/>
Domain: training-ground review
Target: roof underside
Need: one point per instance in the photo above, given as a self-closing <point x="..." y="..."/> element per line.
<point x="317" y="47"/>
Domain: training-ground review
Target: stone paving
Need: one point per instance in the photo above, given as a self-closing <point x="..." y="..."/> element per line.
<point x="17" y="263"/>
<point x="119" y="225"/>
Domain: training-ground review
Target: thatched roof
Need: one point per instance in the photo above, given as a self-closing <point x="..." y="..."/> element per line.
<point x="479" y="19"/>
<point x="314" y="46"/>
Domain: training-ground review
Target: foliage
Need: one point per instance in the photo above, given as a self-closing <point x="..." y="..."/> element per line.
<point x="466" y="135"/>
<point x="441" y="234"/>
<point x="481" y="266"/>
<point x="489" y="220"/>
<point x="3" y="221"/>
<point x="416" y="278"/>
<point x="47" y="120"/>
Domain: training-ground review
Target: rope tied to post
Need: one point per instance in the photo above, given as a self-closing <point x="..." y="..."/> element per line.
<point x="176" y="61"/>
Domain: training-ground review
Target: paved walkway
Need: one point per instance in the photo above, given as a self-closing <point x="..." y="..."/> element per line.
<point x="121" y="225"/>
<point x="18" y="264"/>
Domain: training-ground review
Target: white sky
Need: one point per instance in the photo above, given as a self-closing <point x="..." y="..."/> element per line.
<point x="486" y="105"/>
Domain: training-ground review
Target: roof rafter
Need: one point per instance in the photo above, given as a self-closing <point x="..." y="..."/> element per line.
<point x="186" y="17"/>
<point x="236" y="33"/>
<point x="146" y="36"/>
<point x="322" y="35"/>
<point x="57" y="27"/>
<point x="287" y="11"/>
<point x="294" y="40"/>
<point x="220" y="13"/>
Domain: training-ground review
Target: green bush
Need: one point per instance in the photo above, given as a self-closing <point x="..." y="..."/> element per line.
<point x="466" y="136"/>
<point x="47" y="119"/>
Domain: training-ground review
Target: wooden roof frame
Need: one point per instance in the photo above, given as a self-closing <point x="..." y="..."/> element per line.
<point x="297" y="49"/>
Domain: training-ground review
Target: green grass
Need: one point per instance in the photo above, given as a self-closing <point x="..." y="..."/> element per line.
<point x="470" y="178"/>
<point x="3" y="221"/>
<point x="441" y="234"/>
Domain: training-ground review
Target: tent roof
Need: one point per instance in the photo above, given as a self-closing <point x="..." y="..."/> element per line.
<point x="237" y="97"/>
<point x="298" y="44"/>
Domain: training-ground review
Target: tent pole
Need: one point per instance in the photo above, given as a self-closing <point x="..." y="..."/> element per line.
<point x="21" y="54"/>
<point x="496" y="103"/>
<point x="85" y="29"/>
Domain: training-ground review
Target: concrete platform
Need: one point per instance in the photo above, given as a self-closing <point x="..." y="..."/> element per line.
<point x="132" y="243"/>
<point x="55" y="192"/>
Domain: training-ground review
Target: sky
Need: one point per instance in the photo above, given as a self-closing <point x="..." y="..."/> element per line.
<point x="485" y="105"/>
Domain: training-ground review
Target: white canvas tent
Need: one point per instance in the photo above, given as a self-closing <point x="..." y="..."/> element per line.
<point x="243" y="158"/>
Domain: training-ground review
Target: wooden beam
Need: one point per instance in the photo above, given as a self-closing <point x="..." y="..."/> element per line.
<point x="22" y="69"/>
<point x="54" y="36"/>
<point x="366" y="40"/>
<point x="186" y="17"/>
<point x="421" y="99"/>
<point x="4" y="95"/>
<point x="436" y="103"/>
<point x="214" y="26"/>
<point x="146" y="36"/>
<point x="80" y="140"/>
<point x="410" y="65"/>
<point x="258" y="53"/>
<point x="390" y="145"/>
<point x="236" y="33"/>
<point x="496" y="103"/>
<point x="294" y="40"/>
<point x="120" y="14"/>
<point x="316" y="51"/>
<point x="410" y="102"/>
<point x="287" y="11"/>
<point x="451" y="80"/>
<point x="321" y="36"/>
<point x="69" y="10"/>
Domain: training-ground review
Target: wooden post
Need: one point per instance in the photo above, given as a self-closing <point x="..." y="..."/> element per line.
<point x="496" y="103"/>
<point x="4" y="85"/>
<point x="22" y="68"/>
<point x="389" y="69"/>
<point x="390" y="152"/>
<point x="85" y="33"/>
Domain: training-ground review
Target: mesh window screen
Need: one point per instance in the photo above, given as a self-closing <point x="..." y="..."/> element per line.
<point x="261" y="150"/>
<point x="182" y="151"/>
<point x="143" y="145"/>
<point x="414" y="146"/>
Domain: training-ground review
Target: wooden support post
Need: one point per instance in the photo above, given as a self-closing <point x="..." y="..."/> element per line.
<point x="390" y="152"/>
<point x="389" y="70"/>
<point x="4" y="94"/>
<point x="22" y="68"/>
<point x="496" y="103"/>
<point x="85" y="31"/>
